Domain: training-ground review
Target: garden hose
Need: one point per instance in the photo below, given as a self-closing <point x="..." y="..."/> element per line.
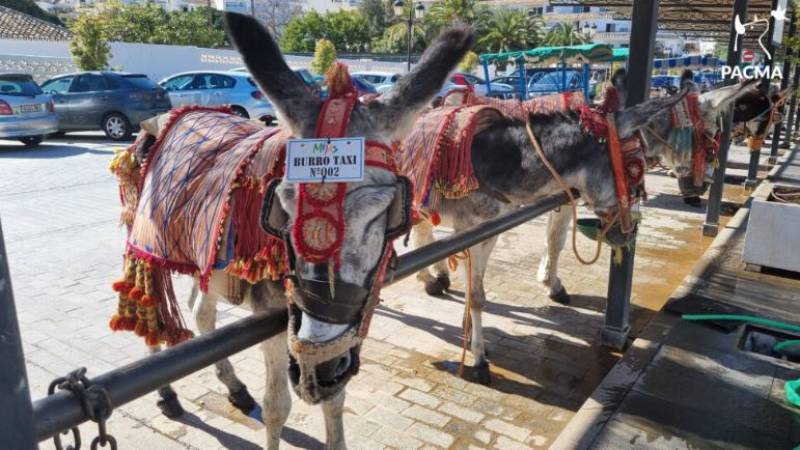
<point x="790" y="387"/>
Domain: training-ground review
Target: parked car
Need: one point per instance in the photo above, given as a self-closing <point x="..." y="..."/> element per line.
<point x="212" y="88"/>
<point x="558" y="81"/>
<point x="668" y="84"/>
<point x="304" y="75"/>
<point x="383" y="81"/>
<point x="114" y="102"/>
<point x="459" y="79"/>
<point x="26" y="112"/>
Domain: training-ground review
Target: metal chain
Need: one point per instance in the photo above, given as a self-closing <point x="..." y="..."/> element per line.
<point x="96" y="403"/>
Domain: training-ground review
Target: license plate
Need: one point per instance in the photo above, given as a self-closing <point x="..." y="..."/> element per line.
<point x="31" y="108"/>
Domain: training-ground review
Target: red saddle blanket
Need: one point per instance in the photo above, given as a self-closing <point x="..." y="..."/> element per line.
<point x="518" y="109"/>
<point x="437" y="156"/>
<point x="196" y="200"/>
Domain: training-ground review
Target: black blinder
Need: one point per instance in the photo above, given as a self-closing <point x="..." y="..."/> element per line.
<point x="273" y="217"/>
<point x="344" y="307"/>
<point x="399" y="219"/>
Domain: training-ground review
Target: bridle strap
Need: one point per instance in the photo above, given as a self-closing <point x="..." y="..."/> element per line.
<point x="618" y="169"/>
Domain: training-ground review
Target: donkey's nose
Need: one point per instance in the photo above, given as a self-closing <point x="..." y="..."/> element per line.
<point x="329" y="371"/>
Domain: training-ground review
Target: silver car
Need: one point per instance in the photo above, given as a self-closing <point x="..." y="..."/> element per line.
<point x="26" y="112"/>
<point x="210" y="88"/>
<point x="383" y="81"/>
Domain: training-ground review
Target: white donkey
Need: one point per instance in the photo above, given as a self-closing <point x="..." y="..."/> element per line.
<point x="330" y="303"/>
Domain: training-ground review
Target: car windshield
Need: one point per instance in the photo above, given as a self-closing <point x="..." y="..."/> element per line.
<point x="140" y="81"/>
<point x="18" y="85"/>
<point x="374" y="79"/>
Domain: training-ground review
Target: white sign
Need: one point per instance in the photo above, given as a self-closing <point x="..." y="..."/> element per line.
<point x="321" y="160"/>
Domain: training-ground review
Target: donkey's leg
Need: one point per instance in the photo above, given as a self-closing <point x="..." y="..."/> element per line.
<point x="332" y="410"/>
<point x="168" y="401"/>
<point x="480" y="260"/>
<point x="422" y="234"/>
<point x="205" y="315"/>
<point x="557" y="228"/>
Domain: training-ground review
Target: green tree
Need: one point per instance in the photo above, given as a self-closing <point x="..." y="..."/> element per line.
<point x="563" y="34"/>
<point x="89" y="45"/>
<point x="148" y="23"/>
<point x="395" y="39"/>
<point x="374" y="12"/>
<point x="347" y="30"/>
<point x="510" y="30"/>
<point x="324" y="56"/>
<point x="446" y="12"/>
<point x="31" y="8"/>
<point x="469" y="62"/>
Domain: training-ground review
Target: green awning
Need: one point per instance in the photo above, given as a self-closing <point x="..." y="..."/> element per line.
<point x="574" y="53"/>
<point x="621" y="54"/>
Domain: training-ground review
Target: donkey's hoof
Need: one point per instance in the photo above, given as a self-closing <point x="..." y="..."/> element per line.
<point x="444" y="279"/>
<point x="242" y="400"/>
<point x="437" y="286"/>
<point x="170" y="406"/>
<point x="561" y="297"/>
<point x="482" y="373"/>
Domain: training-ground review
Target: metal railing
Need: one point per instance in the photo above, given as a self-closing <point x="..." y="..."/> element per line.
<point x="63" y="410"/>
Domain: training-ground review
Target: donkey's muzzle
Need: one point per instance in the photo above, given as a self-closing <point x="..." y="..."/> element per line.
<point x="333" y="302"/>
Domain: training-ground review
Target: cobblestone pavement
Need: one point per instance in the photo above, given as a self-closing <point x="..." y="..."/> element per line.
<point x="59" y="207"/>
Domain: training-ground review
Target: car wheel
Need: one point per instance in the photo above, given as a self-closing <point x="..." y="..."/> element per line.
<point x="32" y="141"/>
<point x="239" y="111"/>
<point x="117" y="127"/>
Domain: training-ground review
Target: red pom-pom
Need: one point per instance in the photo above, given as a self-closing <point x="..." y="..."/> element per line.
<point x="339" y="81"/>
<point x="116" y="322"/>
<point x="152" y="338"/>
<point x="148" y="300"/>
<point x="435" y="219"/>
<point x="128" y="323"/>
<point x="141" y="328"/>
<point x="120" y="286"/>
<point x="135" y="293"/>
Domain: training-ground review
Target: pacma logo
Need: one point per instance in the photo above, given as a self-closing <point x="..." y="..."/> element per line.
<point x="753" y="72"/>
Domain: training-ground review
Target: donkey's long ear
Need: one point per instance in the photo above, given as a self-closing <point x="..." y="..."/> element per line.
<point x="636" y="117"/>
<point x="296" y="106"/>
<point x="719" y="98"/>
<point x="396" y="110"/>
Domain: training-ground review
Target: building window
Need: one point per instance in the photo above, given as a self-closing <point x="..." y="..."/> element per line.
<point x="548" y="9"/>
<point x="610" y="27"/>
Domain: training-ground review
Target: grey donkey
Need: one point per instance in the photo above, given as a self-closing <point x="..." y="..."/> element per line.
<point x="582" y="162"/>
<point x="384" y="120"/>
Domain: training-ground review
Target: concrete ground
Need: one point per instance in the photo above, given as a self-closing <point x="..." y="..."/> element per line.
<point x="59" y="208"/>
<point x="693" y="385"/>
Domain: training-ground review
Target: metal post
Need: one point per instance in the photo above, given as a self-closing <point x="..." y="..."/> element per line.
<point x="586" y="74"/>
<point x="523" y="84"/>
<point x="486" y="75"/>
<point x="620" y="276"/>
<point x="790" y="128"/>
<point x="787" y="70"/>
<point x="16" y="410"/>
<point x="755" y="156"/>
<point x="711" y="227"/>
<point x="410" y="29"/>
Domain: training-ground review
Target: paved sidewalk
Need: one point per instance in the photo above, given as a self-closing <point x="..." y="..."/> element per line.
<point x="59" y="207"/>
<point x="689" y="385"/>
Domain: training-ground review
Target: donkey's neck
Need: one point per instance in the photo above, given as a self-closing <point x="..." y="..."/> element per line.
<point x="506" y="163"/>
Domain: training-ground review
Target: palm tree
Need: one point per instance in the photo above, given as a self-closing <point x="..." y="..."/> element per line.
<point x="509" y="30"/>
<point x="445" y="12"/>
<point x="395" y="38"/>
<point x="563" y="34"/>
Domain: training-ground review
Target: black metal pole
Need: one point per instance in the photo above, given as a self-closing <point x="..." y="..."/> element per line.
<point x="640" y="68"/>
<point x="63" y="410"/>
<point x="786" y="71"/>
<point x="755" y="156"/>
<point x="418" y="259"/>
<point x="790" y="122"/>
<point x="16" y="411"/>
<point x="711" y="226"/>
<point x="410" y="30"/>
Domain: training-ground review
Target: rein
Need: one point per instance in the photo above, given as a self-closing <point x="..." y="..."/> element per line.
<point x="572" y="203"/>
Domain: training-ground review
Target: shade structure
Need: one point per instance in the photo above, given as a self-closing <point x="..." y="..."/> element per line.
<point x="587" y="53"/>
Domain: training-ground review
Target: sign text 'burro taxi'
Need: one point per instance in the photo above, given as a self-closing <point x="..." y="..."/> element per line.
<point x="325" y="160"/>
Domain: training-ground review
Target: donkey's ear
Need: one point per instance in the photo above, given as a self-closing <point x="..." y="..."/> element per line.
<point x="295" y="104"/>
<point x="636" y="117"/>
<point x="397" y="109"/>
<point x="720" y="98"/>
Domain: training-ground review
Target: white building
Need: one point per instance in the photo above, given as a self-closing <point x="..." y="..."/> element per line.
<point x="324" y="6"/>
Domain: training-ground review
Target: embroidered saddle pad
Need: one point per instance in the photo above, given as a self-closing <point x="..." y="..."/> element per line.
<point x="518" y="109"/>
<point x="201" y="195"/>
<point x="437" y="153"/>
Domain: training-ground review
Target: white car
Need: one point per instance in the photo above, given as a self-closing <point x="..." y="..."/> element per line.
<point x="383" y="81"/>
<point x="210" y="88"/>
<point x="26" y="112"/>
